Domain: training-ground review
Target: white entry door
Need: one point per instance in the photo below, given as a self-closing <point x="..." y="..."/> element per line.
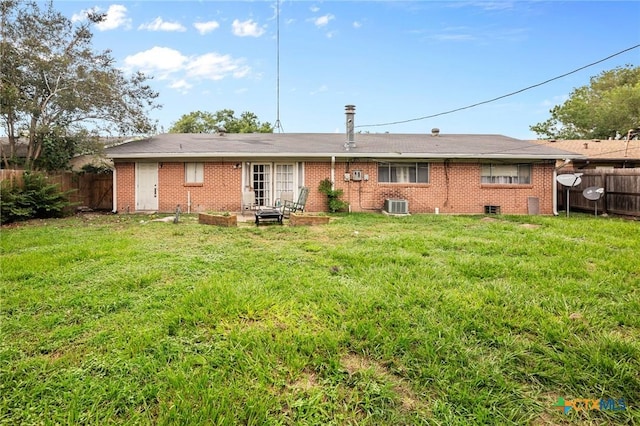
<point x="146" y="186"/>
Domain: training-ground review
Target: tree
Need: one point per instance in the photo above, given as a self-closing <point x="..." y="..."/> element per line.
<point x="206" y="122"/>
<point x="608" y="107"/>
<point x="54" y="86"/>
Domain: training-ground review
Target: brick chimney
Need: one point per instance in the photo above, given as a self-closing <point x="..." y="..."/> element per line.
<point x="350" y="112"/>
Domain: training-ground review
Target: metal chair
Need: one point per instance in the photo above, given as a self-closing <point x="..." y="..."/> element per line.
<point x="248" y="201"/>
<point x="285" y="197"/>
<point x="289" y="207"/>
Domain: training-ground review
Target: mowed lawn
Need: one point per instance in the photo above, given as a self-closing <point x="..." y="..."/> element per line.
<point x="369" y="320"/>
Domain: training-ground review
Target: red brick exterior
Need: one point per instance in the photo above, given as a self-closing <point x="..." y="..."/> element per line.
<point x="454" y="187"/>
<point x="125" y="187"/>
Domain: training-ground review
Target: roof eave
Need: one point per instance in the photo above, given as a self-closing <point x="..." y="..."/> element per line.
<point x="346" y="154"/>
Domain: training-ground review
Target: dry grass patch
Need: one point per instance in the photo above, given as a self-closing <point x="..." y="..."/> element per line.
<point x="529" y="226"/>
<point x="355" y="364"/>
<point x="306" y="382"/>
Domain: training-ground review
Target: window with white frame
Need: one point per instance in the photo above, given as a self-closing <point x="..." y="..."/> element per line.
<point x="403" y="172"/>
<point x="510" y="174"/>
<point x="194" y="172"/>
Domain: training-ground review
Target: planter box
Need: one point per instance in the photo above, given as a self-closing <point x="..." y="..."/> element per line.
<point x="216" y="219"/>
<point x="307" y="220"/>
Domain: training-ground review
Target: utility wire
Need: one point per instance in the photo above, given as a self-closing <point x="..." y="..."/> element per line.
<point x="503" y="96"/>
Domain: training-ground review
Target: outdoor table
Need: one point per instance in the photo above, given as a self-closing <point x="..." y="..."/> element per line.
<point x="268" y="213"/>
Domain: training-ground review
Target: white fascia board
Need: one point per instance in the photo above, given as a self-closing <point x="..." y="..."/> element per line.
<point x="351" y="154"/>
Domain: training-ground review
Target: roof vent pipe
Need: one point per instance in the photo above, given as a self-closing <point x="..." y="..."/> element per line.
<point x="350" y="112"/>
<point x="435" y="131"/>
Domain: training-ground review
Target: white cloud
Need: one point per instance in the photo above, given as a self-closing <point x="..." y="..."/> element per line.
<point x="162" y="60"/>
<point x="184" y="72"/>
<point x="82" y="15"/>
<point x="159" y="24"/>
<point x="213" y="66"/>
<point x="322" y="21"/>
<point x="247" y="28"/>
<point x="206" y="27"/>
<point x="181" y="85"/>
<point x="314" y="9"/>
<point x="357" y="24"/>
<point x="116" y="17"/>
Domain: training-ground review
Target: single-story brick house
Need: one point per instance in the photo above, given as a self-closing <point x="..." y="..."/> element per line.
<point x="434" y="172"/>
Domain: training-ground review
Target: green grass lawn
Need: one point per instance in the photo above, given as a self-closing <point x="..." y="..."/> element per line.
<point x="369" y="320"/>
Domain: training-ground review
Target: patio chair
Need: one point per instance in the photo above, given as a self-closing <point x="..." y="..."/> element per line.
<point x="248" y="201"/>
<point x="285" y="197"/>
<point x="289" y="207"/>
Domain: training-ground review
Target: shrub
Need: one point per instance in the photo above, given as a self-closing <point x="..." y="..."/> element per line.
<point x="34" y="198"/>
<point x="333" y="195"/>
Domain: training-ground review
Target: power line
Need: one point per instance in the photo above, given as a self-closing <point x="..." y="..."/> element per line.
<point x="503" y="96"/>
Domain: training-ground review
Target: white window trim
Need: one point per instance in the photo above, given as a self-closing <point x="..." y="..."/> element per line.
<point x="513" y="178"/>
<point x="193" y="172"/>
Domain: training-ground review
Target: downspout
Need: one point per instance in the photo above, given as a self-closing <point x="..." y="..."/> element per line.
<point x="115" y="190"/>
<point x="555" y="192"/>
<point x="333" y="171"/>
<point x="555" y="186"/>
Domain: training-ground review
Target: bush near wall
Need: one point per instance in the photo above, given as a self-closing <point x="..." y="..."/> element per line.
<point x="31" y="198"/>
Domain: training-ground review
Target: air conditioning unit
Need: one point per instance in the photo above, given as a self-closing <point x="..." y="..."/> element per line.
<point x="396" y="206"/>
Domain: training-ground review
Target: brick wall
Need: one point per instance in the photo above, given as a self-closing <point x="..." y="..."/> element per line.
<point x="453" y="188"/>
<point x="126" y="187"/>
<point x="221" y="190"/>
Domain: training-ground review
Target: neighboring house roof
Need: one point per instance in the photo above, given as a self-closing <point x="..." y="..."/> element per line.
<point x="610" y="150"/>
<point x="22" y="146"/>
<point x="316" y="145"/>
<point x="79" y="161"/>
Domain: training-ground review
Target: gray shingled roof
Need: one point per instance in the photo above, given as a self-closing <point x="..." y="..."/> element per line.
<point x="323" y="145"/>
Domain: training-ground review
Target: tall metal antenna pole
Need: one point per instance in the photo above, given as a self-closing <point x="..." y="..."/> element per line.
<point x="278" y="125"/>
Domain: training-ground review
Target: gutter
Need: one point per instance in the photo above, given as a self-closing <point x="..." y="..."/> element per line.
<point x="554" y="185"/>
<point x="319" y="155"/>
<point x="333" y="171"/>
<point x="115" y="191"/>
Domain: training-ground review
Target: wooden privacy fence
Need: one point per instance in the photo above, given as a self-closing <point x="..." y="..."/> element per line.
<point x="87" y="189"/>
<point x="621" y="192"/>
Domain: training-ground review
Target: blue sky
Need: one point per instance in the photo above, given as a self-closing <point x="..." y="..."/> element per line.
<point x="394" y="60"/>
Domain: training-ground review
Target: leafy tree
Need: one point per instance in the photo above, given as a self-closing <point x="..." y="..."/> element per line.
<point x="54" y="86"/>
<point x="207" y="122"/>
<point x="608" y="107"/>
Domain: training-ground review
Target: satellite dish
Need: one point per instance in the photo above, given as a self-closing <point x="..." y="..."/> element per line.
<point x="593" y="193"/>
<point x="569" y="180"/>
<point x="572" y="179"/>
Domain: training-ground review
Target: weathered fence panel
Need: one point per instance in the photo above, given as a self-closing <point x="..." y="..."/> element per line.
<point x="621" y="192"/>
<point x="87" y="189"/>
<point x="11" y="175"/>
